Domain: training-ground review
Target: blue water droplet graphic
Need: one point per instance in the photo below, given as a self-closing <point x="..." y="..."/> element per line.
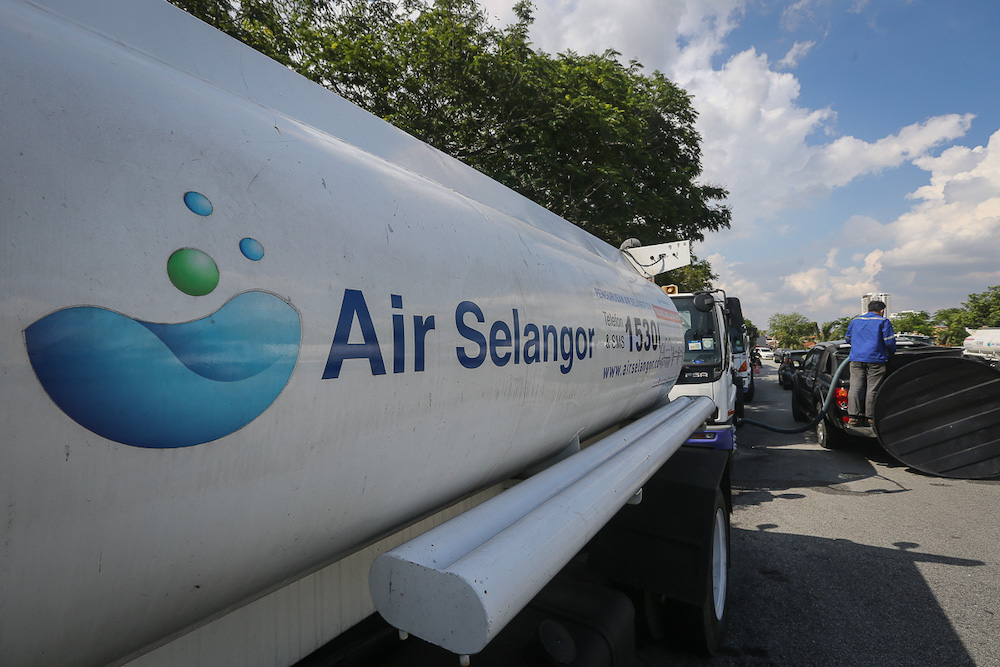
<point x="198" y="203"/>
<point x="251" y="249"/>
<point x="157" y="385"/>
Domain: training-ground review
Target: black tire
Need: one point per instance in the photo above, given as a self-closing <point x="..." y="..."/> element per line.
<point x="748" y="394"/>
<point x="827" y="435"/>
<point x="703" y="628"/>
<point x="798" y="414"/>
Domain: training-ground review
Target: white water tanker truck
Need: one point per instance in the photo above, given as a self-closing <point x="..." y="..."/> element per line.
<point x="259" y="346"/>
<point x="983" y="345"/>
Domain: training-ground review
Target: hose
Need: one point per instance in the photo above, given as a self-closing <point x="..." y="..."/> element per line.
<point x="822" y="412"/>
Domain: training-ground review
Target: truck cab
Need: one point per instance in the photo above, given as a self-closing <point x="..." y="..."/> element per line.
<point x="708" y="367"/>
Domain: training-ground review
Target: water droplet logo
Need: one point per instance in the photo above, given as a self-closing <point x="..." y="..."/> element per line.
<point x="193" y="272"/>
<point x="149" y="384"/>
<point x="252" y="249"/>
<point x="198" y="203"/>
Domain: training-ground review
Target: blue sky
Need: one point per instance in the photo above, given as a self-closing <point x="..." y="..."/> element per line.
<point x="854" y="137"/>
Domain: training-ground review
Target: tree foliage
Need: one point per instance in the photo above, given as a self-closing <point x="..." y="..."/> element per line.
<point x="280" y="29"/>
<point x="599" y="143"/>
<point x="950" y="328"/>
<point x="983" y="309"/>
<point x="791" y="330"/>
<point x="952" y="325"/>
<point x="919" y="322"/>
<point x="834" y="329"/>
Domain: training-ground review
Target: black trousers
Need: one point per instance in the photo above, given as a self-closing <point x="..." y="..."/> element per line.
<point x="865" y="379"/>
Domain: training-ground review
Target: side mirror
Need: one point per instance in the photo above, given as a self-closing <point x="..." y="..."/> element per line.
<point x="735" y="312"/>
<point x="704" y="302"/>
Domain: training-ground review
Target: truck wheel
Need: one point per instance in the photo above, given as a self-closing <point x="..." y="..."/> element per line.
<point x="700" y="628"/>
<point x="827" y="435"/>
<point x="748" y="394"/>
<point x="798" y="414"/>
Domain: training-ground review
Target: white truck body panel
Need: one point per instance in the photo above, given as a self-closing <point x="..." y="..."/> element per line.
<point x="248" y="329"/>
<point x="717" y="343"/>
<point x="652" y="260"/>
<point x="983" y="343"/>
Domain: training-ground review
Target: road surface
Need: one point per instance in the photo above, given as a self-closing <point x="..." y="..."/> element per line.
<point x="848" y="557"/>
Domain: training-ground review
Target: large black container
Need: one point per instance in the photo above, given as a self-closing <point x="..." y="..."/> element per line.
<point x="941" y="415"/>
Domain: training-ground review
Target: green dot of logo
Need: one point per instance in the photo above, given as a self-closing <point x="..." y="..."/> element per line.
<point x="192" y="272"/>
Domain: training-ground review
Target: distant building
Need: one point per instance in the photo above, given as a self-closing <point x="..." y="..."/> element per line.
<point x="877" y="296"/>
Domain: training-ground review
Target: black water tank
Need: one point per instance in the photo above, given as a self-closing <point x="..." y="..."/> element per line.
<point x="941" y="415"/>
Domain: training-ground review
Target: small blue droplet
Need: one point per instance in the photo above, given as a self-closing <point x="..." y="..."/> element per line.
<point x="198" y="203"/>
<point x="251" y="249"/>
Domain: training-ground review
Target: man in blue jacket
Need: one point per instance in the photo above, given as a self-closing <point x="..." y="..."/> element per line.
<point x="872" y="342"/>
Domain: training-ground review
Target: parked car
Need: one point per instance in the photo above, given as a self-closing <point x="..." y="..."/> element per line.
<point x="790" y="362"/>
<point x="766" y="352"/>
<point x="811" y="382"/>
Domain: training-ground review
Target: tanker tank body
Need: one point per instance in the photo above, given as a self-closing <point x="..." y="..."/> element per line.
<point x="983" y="345"/>
<point x="249" y="330"/>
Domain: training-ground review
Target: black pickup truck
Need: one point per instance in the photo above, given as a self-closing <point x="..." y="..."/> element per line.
<point x="811" y="382"/>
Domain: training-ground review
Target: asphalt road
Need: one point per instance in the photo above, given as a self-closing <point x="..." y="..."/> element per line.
<point x="847" y="557"/>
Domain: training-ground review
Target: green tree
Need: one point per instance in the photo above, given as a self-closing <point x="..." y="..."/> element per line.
<point x="834" y="329"/>
<point x="950" y="329"/>
<point x="752" y="332"/>
<point x="983" y="309"/>
<point x="919" y="322"/>
<point x="791" y="329"/>
<point x="600" y="143"/>
<point x="280" y="29"/>
<point x="825" y="331"/>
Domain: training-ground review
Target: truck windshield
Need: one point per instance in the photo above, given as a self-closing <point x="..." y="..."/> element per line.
<point x="702" y="344"/>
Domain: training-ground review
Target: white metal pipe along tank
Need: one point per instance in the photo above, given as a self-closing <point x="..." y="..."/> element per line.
<point x="248" y="328"/>
<point x="455" y="589"/>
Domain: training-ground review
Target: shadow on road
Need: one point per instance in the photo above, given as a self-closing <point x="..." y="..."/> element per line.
<point x="876" y="610"/>
<point x="835" y="602"/>
<point x="810" y="600"/>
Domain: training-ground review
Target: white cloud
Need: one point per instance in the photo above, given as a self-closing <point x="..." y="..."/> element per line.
<point x="827" y="292"/>
<point x="732" y="280"/>
<point x="775" y="155"/>
<point x="797" y="13"/>
<point x="862" y="230"/>
<point x="758" y="141"/>
<point x="954" y="229"/>
<point x="795" y="54"/>
<point x="755" y="136"/>
<point x="846" y="158"/>
<point x="645" y="30"/>
<point x="926" y="258"/>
